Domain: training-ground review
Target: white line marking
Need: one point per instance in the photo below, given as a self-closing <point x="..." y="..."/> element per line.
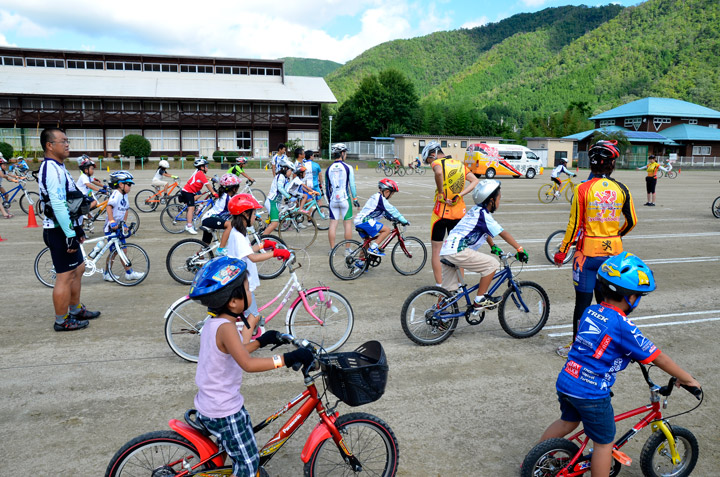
<point x="649" y="325"/>
<point x="648" y="317"/>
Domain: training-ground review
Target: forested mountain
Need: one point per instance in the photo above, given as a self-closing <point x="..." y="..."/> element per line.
<point x="428" y="61"/>
<point x="309" y="66"/>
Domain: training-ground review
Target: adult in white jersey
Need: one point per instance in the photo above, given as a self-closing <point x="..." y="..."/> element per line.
<point x="340" y="188"/>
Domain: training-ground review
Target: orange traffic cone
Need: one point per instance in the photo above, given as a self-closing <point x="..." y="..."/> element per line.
<point x="31" y="218"/>
<point x="2" y="239"/>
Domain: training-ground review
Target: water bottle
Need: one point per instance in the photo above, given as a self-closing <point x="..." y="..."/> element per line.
<point x="98" y="246"/>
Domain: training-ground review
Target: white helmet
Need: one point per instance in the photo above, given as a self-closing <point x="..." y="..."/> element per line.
<point x="431" y="147"/>
<point x="339" y="148"/>
<point x="199" y="162"/>
<point x="164" y="164"/>
<point x="484" y="189"/>
<point x="563" y="160"/>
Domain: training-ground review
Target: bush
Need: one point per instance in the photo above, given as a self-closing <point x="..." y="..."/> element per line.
<point x="135" y="145"/>
<point x="7" y="150"/>
<point x="229" y="156"/>
<point x="190" y="158"/>
<point x="177" y="158"/>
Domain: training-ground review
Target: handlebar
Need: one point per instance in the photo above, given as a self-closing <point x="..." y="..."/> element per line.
<point x="300" y="343"/>
<point x="667" y="390"/>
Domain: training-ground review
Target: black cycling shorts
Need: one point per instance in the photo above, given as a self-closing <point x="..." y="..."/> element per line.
<point x="62" y="260"/>
<point x="441" y="228"/>
<point x="187" y="198"/>
<point x="650" y="183"/>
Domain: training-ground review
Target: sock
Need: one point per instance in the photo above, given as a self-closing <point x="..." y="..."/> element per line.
<point x="438" y="285"/>
<point x="59" y="319"/>
<point x="128" y="271"/>
<point x="480" y="298"/>
<point x="75" y="309"/>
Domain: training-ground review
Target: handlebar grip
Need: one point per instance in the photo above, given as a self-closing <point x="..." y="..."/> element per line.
<point x="697" y="392"/>
<point x="667" y="390"/>
<point x="297" y="366"/>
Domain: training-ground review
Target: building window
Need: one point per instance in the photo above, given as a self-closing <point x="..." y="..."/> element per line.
<point x="608" y="122"/>
<point x="85" y="64"/>
<point x="308" y="139"/>
<point x="713" y="126"/>
<point x="198" y="142"/>
<point x="114" y="136"/>
<point x="163" y="139"/>
<point x="463" y="144"/>
<point x="261" y="144"/>
<point x="126" y="66"/>
<point x="443" y="144"/>
<point x="198" y="107"/>
<point x="244" y="141"/>
<point x="85" y="139"/>
<point x="701" y="150"/>
<point x="630" y="122"/>
<point x="41" y="104"/>
<point x="13" y="136"/>
<point x="230" y="70"/>
<point x="661" y="120"/>
<point x="196" y="69"/>
<point x="46" y="62"/>
<point x="11" y="61"/>
<point x="306" y="110"/>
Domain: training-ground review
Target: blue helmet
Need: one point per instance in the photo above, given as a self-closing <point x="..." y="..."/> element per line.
<point x="216" y="282"/>
<point x="626" y="275"/>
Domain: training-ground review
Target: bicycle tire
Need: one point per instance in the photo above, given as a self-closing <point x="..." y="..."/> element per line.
<point x="139" y="261"/>
<point x="172" y="218"/>
<point x="147" y="200"/>
<point x="418" y="316"/>
<point x="367" y="437"/>
<point x="154" y="451"/>
<point x="716" y="208"/>
<point x="569" y="192"/>
<point x="552" y="246"/>
<point x="133" y="218"/>
<point x="44" y="268"/>
<point x="514" y="320"/>
<point x="335" y="312"/>
<point x="672" y="174"/>
<point x="545" y="195"/>
<point x="409" y="265"/>
<point x="350" y="266"/>
<point x="548" y="457"/>
<point x="185" y="258"/>
<point x="183" y="323"/>
<point x="301" y="233"/>
<point x="269" y="269"/>
<point x="400" y="171"/>
<point x="420" y="170"/>
<point x="321" y="216"/>
<point x="258" y="194"/>
<point x="25" y="204"/>
<point x="655" y="456"/>
<point x="389" y="171"/>
<point x="378" y="169"/>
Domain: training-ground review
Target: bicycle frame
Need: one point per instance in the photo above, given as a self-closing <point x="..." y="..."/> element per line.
<point x="91" y="263"/>
<point x="166" y="191"/>
<point x="200" y="208"/>
<point x="8" y="198"/>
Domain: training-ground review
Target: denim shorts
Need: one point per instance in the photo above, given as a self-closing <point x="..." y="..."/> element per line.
<point x="597" y="416"/>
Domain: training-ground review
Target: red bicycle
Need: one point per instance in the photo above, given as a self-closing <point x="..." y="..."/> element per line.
<point x="349" y="259"/>
<point x="339" y="444"/>
<point x="669" y="451"/>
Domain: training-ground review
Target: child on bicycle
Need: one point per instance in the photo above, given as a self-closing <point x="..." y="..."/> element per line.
<point x="377" y="205"/>
<point x="605" y="344"/>
<point x="300" y="190"/>
<point x="239" y="169"/>
<point x="192" y="188"/>
<point x="555" y="175"/>
<point x="474" y="229"/>
<point x="157" y="180"/>
<point x="242" y="210"/>
<point x="116" y="211"/>
<point x="278" y="192"/>
<point x="222" y="286"/>
<point x="218" y="217"/>
<point x="11" y="178"/>
<point x="86" y="183"/>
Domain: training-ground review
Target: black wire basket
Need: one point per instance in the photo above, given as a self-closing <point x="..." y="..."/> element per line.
<point x="357" y="377"/>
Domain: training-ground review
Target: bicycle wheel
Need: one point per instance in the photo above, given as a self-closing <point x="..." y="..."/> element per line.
<point x="517" y="322"/>
<point x="334" y="311"/>
<point x="44" y="268"/>
<point x="300" y="233"/>
<point x="409" y="256"/>
<point x="172" y="218"/>
<point x="389" y="171"/>
<point x="348" y="263"/>
<point x="25" y="203"/>
<point x="368" y="438"/>
<point x="378" y="169"/>
<point x="400" y="171"/>
<point x="321" y="216"/>
<point x="131" y="272"/>
<point x="421" y="320"/>
<point x="716" y="208"/>
<point x="147" y="200"/>
<point x="420" y="170"/>
<point x="671" y="174"/>
<point x="548" y="458"/>
<point x="272" y="268"/>
<point x="133" y="218"/>
<point x="183" y="322"/>
<point x="545" y="194"/>
<point x="154" y="453"/>
<point x="185" y="258"/>
<point x="258" y="194"/>
<point x="569" y="192"/>
<point x="655" y="458"/>
<point x="552" y="246"/>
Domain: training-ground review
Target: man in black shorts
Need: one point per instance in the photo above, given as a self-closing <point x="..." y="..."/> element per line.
<point x="61" y="234"/>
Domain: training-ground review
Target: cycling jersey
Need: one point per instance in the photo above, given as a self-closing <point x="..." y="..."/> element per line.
<point x="471" y="232"/>
<point x="237" y="170"/>
<point x="295" y="188"/>
<point x="54" y="182"/>
<point x="560" y="170"/>
<point x="278" y="188"/>
<point x="159" y="174"/>
<point x="454" y="173"/>
<point x="314" y="170"/>
<point x="196" y="182"/>
<point x="595" y="216"/>
<point x="219" y="208"/>
<point x="376" y="206"/>
<point x="82" y="183"/>
<point x="339" y="180"/>
<point x="119" y="203"/>
<point x="277" y="159"/>
<point x="606" y="342"/>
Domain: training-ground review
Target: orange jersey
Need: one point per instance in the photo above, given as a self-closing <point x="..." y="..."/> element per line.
<point x="595" y="217"/>
<point x="652" y="169"/>
<point x="454" y="173"/>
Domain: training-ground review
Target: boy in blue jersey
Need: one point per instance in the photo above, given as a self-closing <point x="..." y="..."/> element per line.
<point x="606" y="342"/>
<point x="378" y="204"/>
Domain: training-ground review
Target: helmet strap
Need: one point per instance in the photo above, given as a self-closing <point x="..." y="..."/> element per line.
<point x="632" y="305"/>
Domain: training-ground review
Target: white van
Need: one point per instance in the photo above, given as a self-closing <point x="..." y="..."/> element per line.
<point x="522" y="158"/>
<point x="502" y="160"/>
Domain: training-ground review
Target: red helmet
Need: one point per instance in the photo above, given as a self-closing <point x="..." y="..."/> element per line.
<point x="242" y="202"/>
<point x="388" y="184"/>
<point x="603" y="151"/>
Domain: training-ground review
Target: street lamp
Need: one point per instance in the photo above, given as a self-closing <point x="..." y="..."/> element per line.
<point x="330" y="139"/>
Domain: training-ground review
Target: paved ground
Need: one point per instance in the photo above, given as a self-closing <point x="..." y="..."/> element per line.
<point x="473" y="405"/>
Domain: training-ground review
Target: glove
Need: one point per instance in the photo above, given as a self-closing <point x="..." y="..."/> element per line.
<point x="281" y="254"/>
<point x="495" y="250"/>
<point x="72" y="243"/>
<point x="270" y="337"/>
<point x="356" y="203"/>
<point x="406" y="223"/>
<point x="559" y="258"/>
<point x="522" y="256"/>
<point x="113" y="225"/>
<point x="222" y="251"/>
<point x="175" y="177"/>
<point x="300" y="356"/>
<point x="269" y="244"/>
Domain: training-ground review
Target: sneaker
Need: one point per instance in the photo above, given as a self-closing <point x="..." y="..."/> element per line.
<point x="563" y="351"/>
<point x="348" y="252"/>
<point x="71" y="324"/>
<point x="134" y="275"/>
<point x="360" y="264"/>
<point x="301" y="225"/>
<point x="108" y="278"/>
<point x="84" y="314"/>
<point x="557" y="194"/>
<point x="376" y="251"/>
<point x="191" y="230"/>
<point x="652" y="204"/>
<point x="647" y="203"/>
<point x="487" y="302"/>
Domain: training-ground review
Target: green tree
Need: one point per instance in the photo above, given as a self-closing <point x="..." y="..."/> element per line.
<point x="622" y="141"/>
<point x="135" y="145"/>
<point x="7" y="150"/>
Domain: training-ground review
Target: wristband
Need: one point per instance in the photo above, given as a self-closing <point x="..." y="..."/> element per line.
<point x="277" y="361"/>
<point x="520" y="249"/>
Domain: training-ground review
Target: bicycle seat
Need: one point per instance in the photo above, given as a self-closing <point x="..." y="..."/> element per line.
<point x="195" y="423"/>
<point x="447" y="262"/>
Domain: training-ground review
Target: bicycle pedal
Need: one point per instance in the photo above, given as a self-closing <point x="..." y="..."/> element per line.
<point x="621" y="457"/>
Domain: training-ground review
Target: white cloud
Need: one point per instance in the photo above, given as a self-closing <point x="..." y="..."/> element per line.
<point x="4" y="42"/>
<point x="534" y="3"/>
<point x="24" y="26"/>
<point x="483" y="20"/>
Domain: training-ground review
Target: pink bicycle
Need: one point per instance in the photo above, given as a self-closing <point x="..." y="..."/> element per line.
<point x="320" y="314"/>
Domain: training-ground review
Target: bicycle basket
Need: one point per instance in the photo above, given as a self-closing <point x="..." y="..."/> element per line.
<point x="357" y="377"/>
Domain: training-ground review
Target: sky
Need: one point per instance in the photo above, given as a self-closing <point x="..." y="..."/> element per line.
<point x="337" y="30"/>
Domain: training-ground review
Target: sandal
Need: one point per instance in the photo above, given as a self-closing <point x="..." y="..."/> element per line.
<point x="9" y="216"/>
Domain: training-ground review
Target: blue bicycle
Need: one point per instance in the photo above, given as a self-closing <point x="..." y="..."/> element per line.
<point x="430" y="314"/>
<point x="173" y="218"/>
<point x="25" y="199"/>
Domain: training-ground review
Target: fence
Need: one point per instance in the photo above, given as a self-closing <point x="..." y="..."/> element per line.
<point x="631" y="161"/>
<point x="368" y="150"/>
